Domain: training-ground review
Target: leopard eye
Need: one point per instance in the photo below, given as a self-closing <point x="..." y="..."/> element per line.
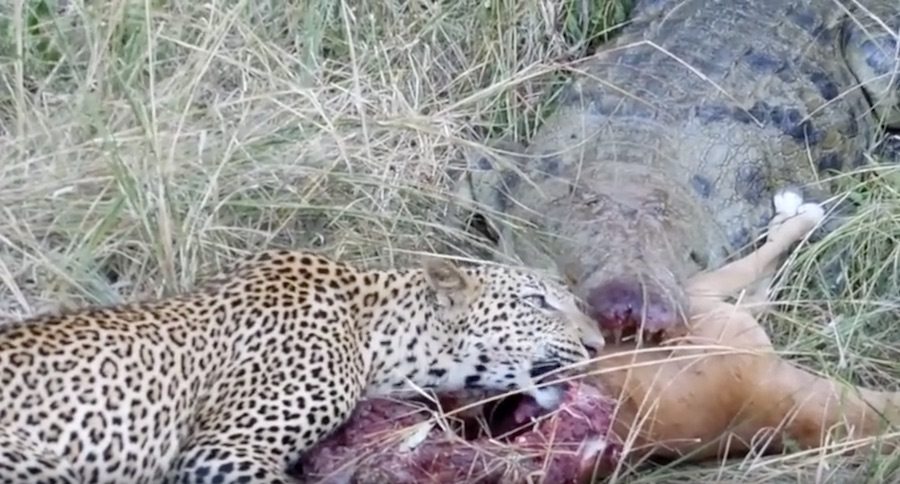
<point x="537" y="300"/>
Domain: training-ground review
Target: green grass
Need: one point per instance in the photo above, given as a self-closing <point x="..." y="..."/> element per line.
<point x="145" y="143"/>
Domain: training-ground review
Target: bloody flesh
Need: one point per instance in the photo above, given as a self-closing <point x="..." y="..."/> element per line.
<point x="507" y="441"/>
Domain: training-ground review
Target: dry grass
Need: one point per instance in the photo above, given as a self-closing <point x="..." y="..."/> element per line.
<point x="147" y="142"/>
<point x="144" y="142"/>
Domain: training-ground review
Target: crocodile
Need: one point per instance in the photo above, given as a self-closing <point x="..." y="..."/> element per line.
<point x="666" y="144"/>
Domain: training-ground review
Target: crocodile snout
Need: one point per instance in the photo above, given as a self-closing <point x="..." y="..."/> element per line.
<point x="624" y="306"/>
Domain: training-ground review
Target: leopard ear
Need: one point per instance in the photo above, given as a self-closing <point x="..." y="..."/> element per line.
<point x="453" y="286"/>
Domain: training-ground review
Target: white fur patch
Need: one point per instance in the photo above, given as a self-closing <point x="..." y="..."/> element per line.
<point x="812" y="212"/>
<point x="547" y="397"/>
<point x="788" y="201"/>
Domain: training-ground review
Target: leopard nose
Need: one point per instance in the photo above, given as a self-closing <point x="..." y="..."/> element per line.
<point x="627" y="304"/>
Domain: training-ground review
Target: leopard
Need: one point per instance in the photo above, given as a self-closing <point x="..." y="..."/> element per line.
<point x="231" y="381"/>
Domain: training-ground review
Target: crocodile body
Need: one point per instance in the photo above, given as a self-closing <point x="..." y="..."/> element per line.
<point x="664" y="150"/>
